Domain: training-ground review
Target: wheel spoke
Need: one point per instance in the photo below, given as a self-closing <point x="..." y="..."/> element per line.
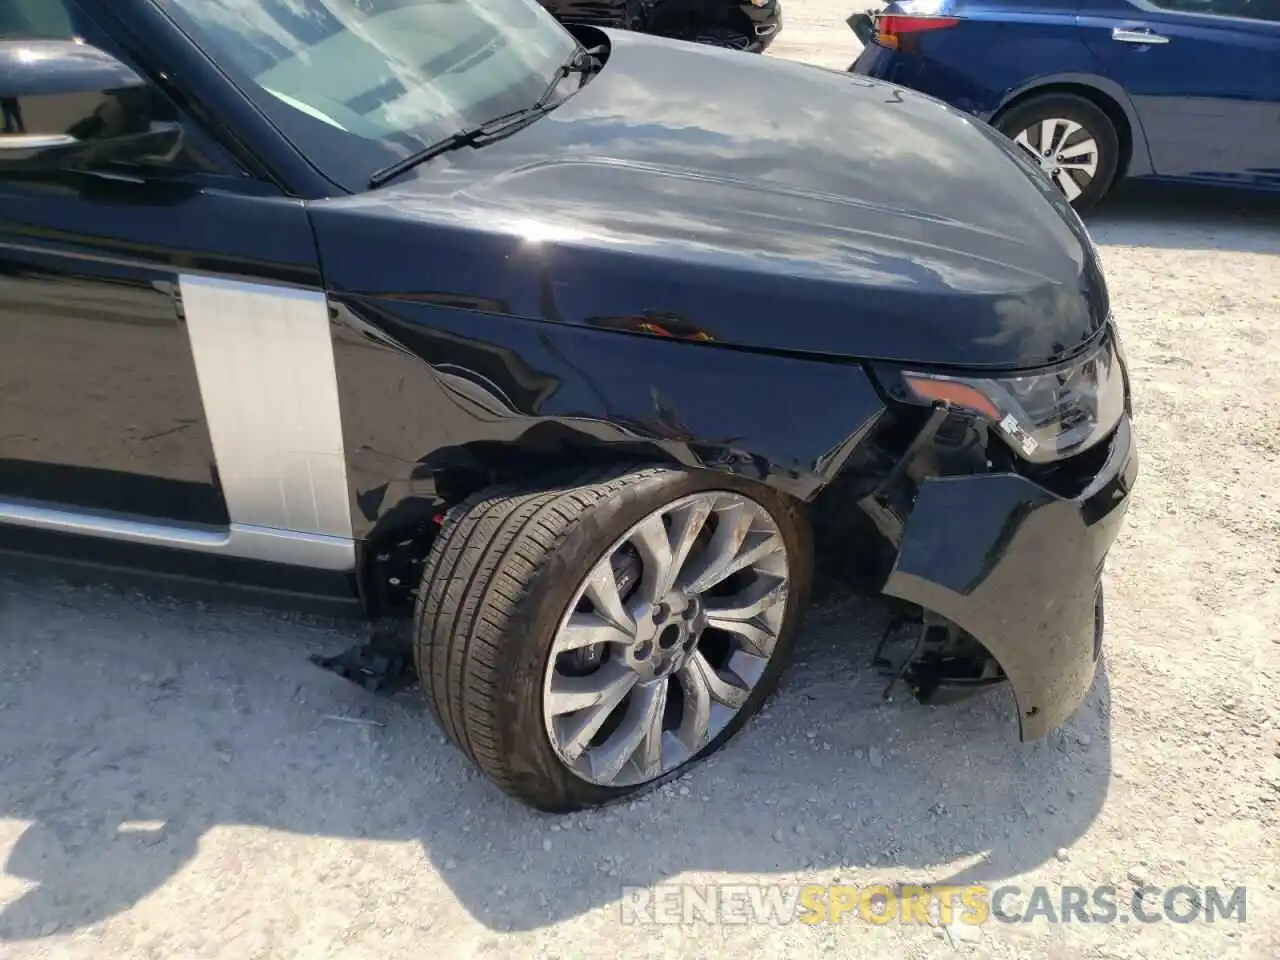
<point x="764" y="593"/>
<point x="582" y="729"/>
<point x="1085" y="149"/>
<point x="1048" y="135"/>
<point x="1088" y="167"/>
<point x="685" y="527"/>
<point x="755" y="637"/>
<point x="1067" y="184"/>
<point x="586" y="630"/>
<point x="651" y="745"/>
<point x="1055" y="133"/>
<point x="755" y="548"/>
<point x="1080" y="157"/>
<point x="654" y="543"/>
<point x="695" y="723"/>
<point x="602" y="591"/>
<point x="732" y="529"/>
<point x="608" y="759"/>
<point x="606" y="686"/>
<point x="1069" y="129"/>
<point x="720" y="690"/>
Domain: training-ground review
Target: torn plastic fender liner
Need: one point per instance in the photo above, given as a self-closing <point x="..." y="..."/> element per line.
<point x="1017" y="567"/>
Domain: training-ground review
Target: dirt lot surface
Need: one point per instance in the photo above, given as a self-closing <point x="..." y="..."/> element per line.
<point x="174" y="784"/>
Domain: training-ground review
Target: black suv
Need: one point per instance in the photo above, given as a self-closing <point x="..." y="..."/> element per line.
<point x="568" y="358"/>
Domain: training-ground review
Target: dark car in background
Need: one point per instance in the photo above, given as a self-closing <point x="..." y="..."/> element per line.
<point x="1098" y="90"/>
<point x="568" y="358"/>
<point x="750" y="25"/>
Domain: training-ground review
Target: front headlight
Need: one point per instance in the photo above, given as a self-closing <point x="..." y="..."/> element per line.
<point x="1047" y="415"/>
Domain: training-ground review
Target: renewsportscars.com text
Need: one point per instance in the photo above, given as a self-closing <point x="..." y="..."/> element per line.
<point x="813" y="904"/>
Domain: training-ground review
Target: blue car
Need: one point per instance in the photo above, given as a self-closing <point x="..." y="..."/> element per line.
<point x="1099" y="90"/>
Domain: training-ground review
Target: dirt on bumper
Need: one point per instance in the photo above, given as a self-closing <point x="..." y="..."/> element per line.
<point x="1019" y="569"/>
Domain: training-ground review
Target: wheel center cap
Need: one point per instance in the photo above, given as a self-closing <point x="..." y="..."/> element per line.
<point x="672" y="632"/>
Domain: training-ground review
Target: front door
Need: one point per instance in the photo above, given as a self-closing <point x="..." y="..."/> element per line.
<point x="1204" y="78"/>
<point x="166" y="372"/>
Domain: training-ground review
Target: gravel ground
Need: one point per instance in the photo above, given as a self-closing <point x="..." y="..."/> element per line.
<point x="174" y="784"/>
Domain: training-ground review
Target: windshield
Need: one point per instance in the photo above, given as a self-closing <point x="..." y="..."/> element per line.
<point x="359" y="84"/>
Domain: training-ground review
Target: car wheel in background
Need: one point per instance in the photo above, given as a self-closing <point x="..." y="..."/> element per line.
<point x="587" y="640"/>
<point x="728" y="37"/>
<point x="1072" y="141"/>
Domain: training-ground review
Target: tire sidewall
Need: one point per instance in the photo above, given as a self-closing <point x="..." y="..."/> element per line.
<point x="521" y="723"/>
<point x="1083" y="112"/>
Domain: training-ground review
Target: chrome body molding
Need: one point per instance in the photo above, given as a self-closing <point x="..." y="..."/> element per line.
<point x="244" y="541"/>
<point x="264" y="359"/>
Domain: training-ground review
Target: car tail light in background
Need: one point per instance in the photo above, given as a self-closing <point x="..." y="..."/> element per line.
<point x="892" y="29"/>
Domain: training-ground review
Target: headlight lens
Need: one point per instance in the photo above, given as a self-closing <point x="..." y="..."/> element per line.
<point x="1044" y="416"/>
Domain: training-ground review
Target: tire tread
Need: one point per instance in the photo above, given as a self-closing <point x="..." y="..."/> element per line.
<point x="480" y="571"/>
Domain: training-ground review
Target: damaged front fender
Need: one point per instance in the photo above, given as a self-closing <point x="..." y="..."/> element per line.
<point x="432" y="392"/>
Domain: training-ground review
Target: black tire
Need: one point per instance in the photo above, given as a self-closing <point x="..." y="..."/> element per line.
<point x="1090" y="116"/>
<point x="497" y="582"/>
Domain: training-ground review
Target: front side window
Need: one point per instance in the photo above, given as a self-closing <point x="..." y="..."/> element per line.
<point x="359" y="84"/>
<point x="64" y="20"/>
<point x="36" y="20"/>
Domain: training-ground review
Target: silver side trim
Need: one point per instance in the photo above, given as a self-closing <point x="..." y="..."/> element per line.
<point x="240" y="540"/>
<point x="264" y="358"/>
<point x="36" y="141"/>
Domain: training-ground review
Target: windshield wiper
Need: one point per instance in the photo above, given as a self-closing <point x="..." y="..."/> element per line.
<point x="582" y="61"/>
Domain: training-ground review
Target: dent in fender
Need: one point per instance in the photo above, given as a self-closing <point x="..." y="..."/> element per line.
<point x="427" y="389"/>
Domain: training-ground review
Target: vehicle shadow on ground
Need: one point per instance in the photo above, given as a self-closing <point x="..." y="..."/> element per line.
<point x="1173" y="217"/>
<point x="118" y="709"/>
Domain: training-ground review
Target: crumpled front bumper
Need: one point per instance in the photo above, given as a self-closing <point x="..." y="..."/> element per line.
<point x="1019" y="569"/>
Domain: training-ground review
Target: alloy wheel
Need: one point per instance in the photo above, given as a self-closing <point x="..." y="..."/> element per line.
<point x="665" y="639"/>
<point x="729" y="39"/>
<point x="1065" y="150"/>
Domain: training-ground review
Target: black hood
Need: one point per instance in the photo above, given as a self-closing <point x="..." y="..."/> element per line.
<point x="749" y="200"/>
